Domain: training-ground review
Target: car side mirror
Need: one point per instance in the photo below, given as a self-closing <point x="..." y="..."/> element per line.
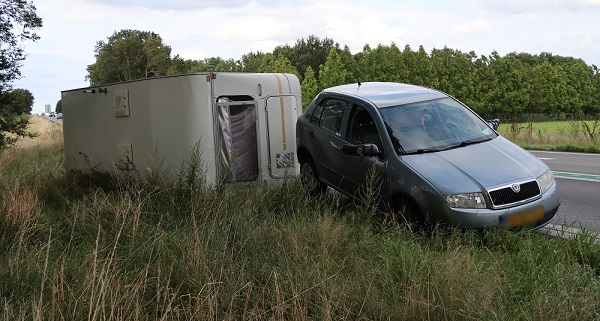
<point x="369" y="150"/>
<point x="350" y="150"/>
<point x="494" y="123"/>
<point x="361" y="150"/>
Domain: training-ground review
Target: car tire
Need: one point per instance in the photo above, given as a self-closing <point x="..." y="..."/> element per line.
<point x="407" y="212"/>
<point x="310" y="177"/>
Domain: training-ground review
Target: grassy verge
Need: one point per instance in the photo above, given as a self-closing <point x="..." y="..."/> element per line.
<point x="73" y="251"/>
<point x="566" y="136"/>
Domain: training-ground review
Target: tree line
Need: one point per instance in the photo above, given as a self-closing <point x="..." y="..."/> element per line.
<point x="509" y="85"/>
<point x="18" y="22"/>
<point x="492" y="85"/>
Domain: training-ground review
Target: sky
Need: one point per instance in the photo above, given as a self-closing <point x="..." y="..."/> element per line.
<point x="199" y="29"/>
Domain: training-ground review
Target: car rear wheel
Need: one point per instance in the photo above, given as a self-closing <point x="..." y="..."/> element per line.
<point x="310" y="177"/>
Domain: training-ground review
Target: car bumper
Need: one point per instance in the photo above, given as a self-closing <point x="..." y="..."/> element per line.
<point x="533" y="214"/>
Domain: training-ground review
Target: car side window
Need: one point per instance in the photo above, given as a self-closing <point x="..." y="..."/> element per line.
<point x="362" y="128"/>
<point x="329" y="114"/>
<point x="315" y="117"/>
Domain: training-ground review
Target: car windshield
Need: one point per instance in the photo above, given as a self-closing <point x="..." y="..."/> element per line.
<point x="434" y="125"/>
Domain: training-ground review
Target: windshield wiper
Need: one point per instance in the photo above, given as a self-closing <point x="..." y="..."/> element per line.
<point x="468" y="142"/>
<point x="424" y="151"/>
<point x="395" y="142"/>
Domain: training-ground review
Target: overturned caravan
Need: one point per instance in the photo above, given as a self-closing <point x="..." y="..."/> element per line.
<point x="242" y="125"/>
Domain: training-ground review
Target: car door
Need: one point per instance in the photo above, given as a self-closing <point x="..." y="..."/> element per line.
<point x="363" y="176"/>
<point x="325" y="138"/>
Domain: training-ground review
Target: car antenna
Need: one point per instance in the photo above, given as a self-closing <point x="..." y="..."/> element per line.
<point x="358" y="82"/>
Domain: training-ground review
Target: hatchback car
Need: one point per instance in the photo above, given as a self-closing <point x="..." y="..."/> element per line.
<point x="425" y="155"/>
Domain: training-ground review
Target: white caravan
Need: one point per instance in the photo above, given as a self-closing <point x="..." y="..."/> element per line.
<point x="243" y="123"/>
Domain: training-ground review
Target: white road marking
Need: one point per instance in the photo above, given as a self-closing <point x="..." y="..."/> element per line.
<point x="563" y="231"/>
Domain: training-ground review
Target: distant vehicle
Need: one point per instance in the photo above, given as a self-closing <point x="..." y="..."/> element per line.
<point x="58" y="115"/>
<point x="426" y="155"/>
<point x="52" y="114"/>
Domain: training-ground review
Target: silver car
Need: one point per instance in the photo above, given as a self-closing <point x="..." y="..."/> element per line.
<point x="425" y="155"/>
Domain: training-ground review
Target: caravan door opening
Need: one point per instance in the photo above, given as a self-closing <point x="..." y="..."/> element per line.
<point x="238" y="151"/>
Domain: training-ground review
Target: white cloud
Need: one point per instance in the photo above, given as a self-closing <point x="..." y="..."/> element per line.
<point x="179" y="5"/>
<point x="259" y="28"/>
<point x="531" y="6"/>
<point x="478" y="26"/>
<point x="374" y="31"/>
<point x="587" y="41"/>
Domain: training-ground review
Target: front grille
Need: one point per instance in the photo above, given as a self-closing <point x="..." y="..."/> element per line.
<point x="506" y="195"/>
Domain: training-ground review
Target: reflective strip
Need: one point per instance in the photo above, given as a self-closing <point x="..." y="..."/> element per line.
<point x="582" y="177"/>
<point x="281" y="101"/>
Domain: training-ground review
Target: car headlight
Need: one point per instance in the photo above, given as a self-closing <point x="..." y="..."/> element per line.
<point x="471" y="200"/>
<point x="545" y="181"/>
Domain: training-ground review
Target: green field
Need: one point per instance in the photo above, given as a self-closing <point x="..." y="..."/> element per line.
<point x="572" y="136"/>
<point x="549" y="127"/>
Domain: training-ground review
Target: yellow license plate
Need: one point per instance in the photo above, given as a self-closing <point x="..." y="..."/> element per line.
<point x="525" y="218"/>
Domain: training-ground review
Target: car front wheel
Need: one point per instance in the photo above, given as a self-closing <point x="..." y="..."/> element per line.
<point x="408" y="212"/>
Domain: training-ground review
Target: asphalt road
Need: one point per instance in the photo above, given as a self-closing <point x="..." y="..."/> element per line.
<point x="578" y="181"/>
<point x="54" y="119"/>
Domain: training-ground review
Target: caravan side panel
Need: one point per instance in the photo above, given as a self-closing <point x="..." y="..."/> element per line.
<point x="142" y="126"/>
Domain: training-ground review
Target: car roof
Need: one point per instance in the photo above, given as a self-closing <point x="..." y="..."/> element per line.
<point x="385" y="94"/>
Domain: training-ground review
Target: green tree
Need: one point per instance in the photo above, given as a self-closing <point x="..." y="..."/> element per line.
<point x="215" y="64"/>
<point x="311" y="51"/>
<point x="454" y="72"/>
<point x="580" y="87"/>
<point x="19" y="102"/>
<point x="18" y="20"/>
<point x="595" y="106"/>
<point x="384" y="63"/>
<point x="15" y="107"/>
<point x="58" y="108"/>
<point x="420" y="67"/>
<point x="270" y="63"/>
<point x="127" y="55"/>
<point x="513" y="86"/>
<point x="310" y="87"/>
<point x="364" y="63"/>
<point x="251" y="62"/>
<point x="550" y="88"/>
<point x="349" y="64"/>
<point x="333" y="72"/>
<point x="397" y="68"/>
<point x="177" y="66"/>
<point x="485" y="88"/>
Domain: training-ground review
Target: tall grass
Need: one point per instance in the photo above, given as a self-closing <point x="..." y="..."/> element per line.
<point x="73" y="251"/>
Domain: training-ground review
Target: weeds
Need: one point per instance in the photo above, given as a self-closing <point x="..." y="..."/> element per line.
<point x="369" y="192"/>
<point x="590" y="130"/>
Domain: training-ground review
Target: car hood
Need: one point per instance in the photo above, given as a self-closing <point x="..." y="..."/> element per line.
<point x="477" y="167"/>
